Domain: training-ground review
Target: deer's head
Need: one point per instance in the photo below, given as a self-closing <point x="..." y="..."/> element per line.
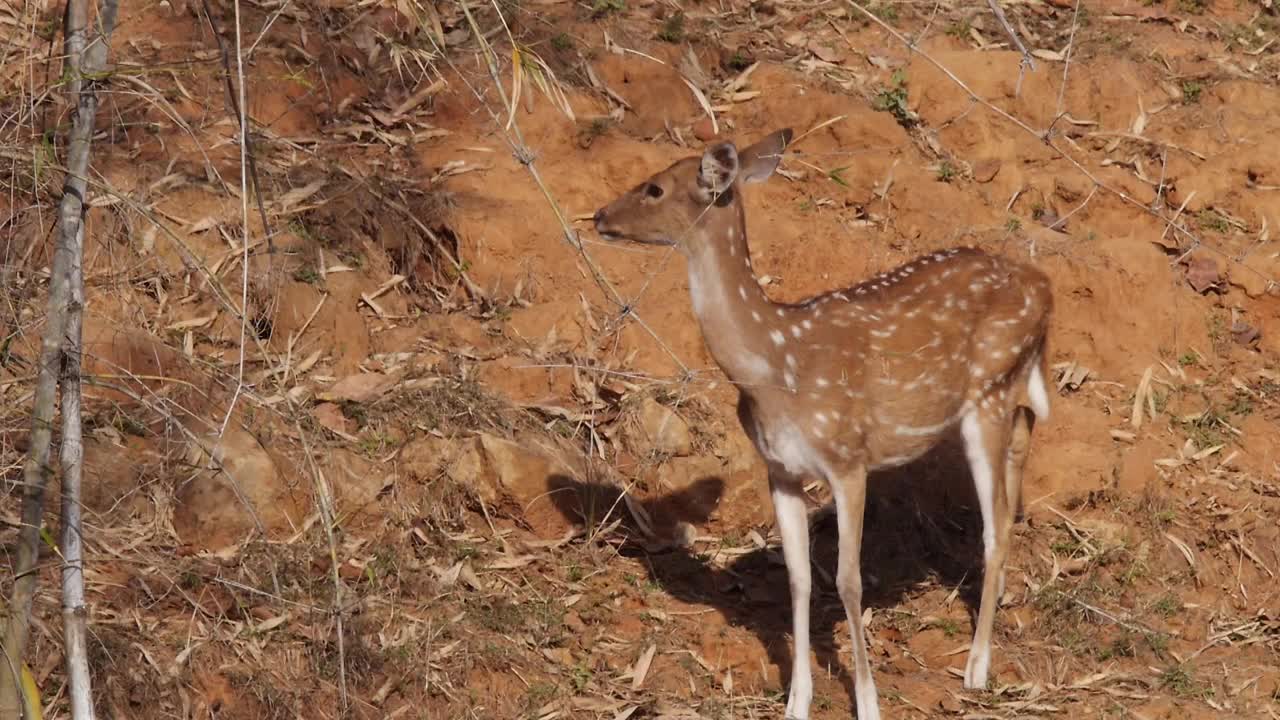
<point x="665" y="209"/>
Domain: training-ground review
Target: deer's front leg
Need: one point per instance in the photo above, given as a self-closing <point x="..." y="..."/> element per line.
<point x="793" y="525"/>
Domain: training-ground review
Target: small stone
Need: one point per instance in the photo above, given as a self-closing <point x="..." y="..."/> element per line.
<point x="330" y="416"/>
<point x="1203" y="273"/>
<point x="985" y="170"/>
<point x="704" y="130"/>
<point x="666" y="431"/>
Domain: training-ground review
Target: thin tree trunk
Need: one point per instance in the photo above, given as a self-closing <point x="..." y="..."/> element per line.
<point x="74" y="620"/>
<point x="62" y="324"/>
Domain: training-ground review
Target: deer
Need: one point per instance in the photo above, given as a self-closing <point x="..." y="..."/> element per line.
<point x="855" y="380"/>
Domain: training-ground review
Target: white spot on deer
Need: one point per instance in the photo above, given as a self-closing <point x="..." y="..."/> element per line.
<point x="789" y="378"/>
<point x="742" y="291"/>
<point x="756" y="316"/>
<point x="887" y="332"/>
<point x="781" y="312"/>
<point x="822" y="382"/>
<point x="795" y="331"/>
<point x="820" y="417"/>
<point x="838" y="322"/>
<point x="844" y="452"/>
<point x="807" y="325"/>
<point x="776" y="337"/>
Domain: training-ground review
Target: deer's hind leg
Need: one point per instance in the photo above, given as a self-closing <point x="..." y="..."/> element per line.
<point x="1024" y="421"/>
<point x="986" y="431"/>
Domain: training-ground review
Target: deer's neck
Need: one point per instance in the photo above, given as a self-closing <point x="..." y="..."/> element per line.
<point x="732" y="309"/>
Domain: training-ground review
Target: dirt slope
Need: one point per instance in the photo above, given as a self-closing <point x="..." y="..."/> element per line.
<point x="424" y="344"/>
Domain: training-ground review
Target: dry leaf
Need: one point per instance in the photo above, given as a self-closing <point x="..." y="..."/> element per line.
<point x="825" y="52"/>
<point x="642" y="667"/>
<point x="194" y="322"/>
<point x="358" y="388"/>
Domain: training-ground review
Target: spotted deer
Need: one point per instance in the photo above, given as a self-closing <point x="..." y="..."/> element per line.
<point x="856" y="380"/>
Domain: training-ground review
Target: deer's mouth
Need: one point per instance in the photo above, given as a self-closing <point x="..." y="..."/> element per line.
<point x="614" y="236"/>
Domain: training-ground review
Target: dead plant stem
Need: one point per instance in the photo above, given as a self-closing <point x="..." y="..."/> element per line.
<point x="324" y="498"/>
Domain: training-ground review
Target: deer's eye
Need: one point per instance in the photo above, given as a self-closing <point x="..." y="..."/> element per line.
<point x="653" y="191"/>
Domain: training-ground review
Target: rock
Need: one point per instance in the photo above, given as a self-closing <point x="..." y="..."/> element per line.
<point x="331" y="417"/>
<point x="539" y="485"/>
<point x="1203" y="274"/>
<point x="1254" y="275"/>
<point x="704" y="130"/>
<point x="986" y="169"/>
<point x="526" y="483"/>
<point x="217" y="509"/>
<point x="665" y="431"/>
<point x="426" y="457"/>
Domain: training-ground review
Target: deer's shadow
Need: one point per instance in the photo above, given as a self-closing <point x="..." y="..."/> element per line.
<point x="921" y="525"/>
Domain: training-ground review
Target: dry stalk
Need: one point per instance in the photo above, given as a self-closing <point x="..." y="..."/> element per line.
<point x="324" y="498"/>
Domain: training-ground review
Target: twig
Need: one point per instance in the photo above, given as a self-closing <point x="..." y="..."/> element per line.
<point x="1027" y="61"/>
<point x="1093" y="191"/>
<point x="1066" y="67"/>
<point x="324" y="498"/>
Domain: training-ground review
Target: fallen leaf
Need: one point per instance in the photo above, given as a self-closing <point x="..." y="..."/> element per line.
<point x="642" y="667"/>
<point x="825" y="52"/>
<point x="357" y="388"/>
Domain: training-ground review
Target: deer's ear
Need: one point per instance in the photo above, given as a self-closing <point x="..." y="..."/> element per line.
<point x="760" y="160"/>
<point x="719" y="168"/>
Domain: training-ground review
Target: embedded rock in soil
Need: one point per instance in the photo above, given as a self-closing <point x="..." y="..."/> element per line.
<point x="541" y="488"/>
<point x="525" y="483"/>
<point x="663" y="430"/>
<point x="217" y="508"/>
